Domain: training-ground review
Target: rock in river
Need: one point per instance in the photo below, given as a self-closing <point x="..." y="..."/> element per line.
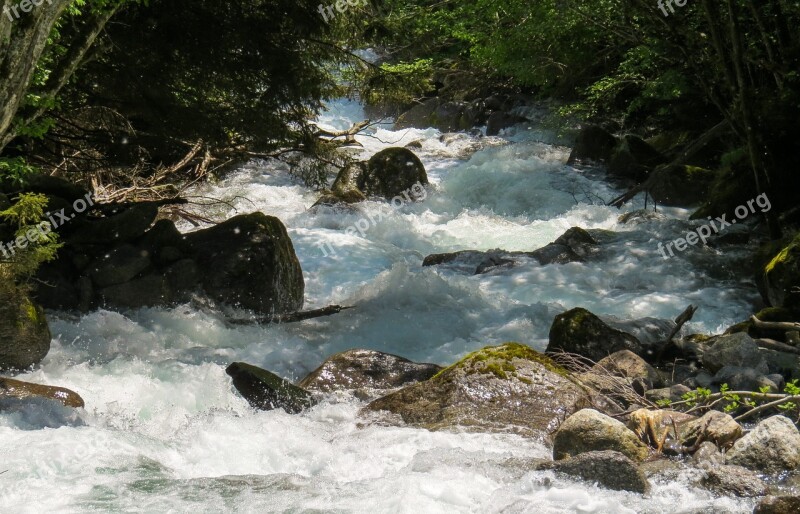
<point x="267" y="391"/>
<point x="507" y="388"/>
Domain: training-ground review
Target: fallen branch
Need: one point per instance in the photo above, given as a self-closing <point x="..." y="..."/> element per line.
<point x="771" y="344"/>
<point x="767" y="406"/>
<point x="292" y="317"/>
<point x="681" y="320"/>
<point x="775" y="325"/>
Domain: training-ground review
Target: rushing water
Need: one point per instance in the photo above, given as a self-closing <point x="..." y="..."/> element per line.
<point x="164" y="431"/>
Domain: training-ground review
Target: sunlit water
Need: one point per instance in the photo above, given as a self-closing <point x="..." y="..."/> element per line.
<point x="164" y="431"/>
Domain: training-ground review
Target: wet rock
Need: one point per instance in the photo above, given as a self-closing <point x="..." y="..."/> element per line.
<point x="503" y="388"/>
<point x="733" y="481"/>
<point x="594" y="144"/>
<point x="714" y="426"/>
<point x="264" y="390"/>
<point x="578" y="240"/>
<point x="501" y="120"/>
<point x="738" y="350"/>
<point x="640" y="216"/>
<point x="555" y="254"/>
<point x="357" y="369"/>
<point x="772" y="447"/>
<point x="119" y="266"/>
<point x="249" y="262"/>
<point x="707" y="456"/>
<point x="120" y="226"/>
<point x="392" y="172"/>
<point x="778" y="505"/>
<point x="451" y="117"/>
<point x="24" y="332"/>
<point x="609" y="469"/>
<point x="581" y="332"/>
<point x="589" y="430"/>
<point x="10" y="388"/>
<point x="37" y="413"/>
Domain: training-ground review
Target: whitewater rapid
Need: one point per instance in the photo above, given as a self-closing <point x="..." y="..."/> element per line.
<point x="164" y="431"/>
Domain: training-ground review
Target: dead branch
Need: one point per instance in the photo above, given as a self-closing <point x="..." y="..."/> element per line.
<point x="771" y="344"/>
<point x="786" y="326"/>
<point x="292" y="317"/>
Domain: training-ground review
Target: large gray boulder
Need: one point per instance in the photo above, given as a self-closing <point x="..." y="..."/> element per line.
<point x="366" y="369"/>
<point x="508" y="388"/>
<point x="772" y="447"/>
<point x="589" y="430"/>
<point x="580" y="332"/>
<point x="738" y="350"/>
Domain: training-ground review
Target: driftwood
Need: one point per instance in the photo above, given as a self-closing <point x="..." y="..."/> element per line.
<point x="292" y="317"/>
<point x="771" y="344"/>
<point x="681" y="320"/>
<point x="775" y="325"/>
<point x="349" y="134"/>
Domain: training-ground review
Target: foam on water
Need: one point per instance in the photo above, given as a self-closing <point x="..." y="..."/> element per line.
<point x="164" y="431"/>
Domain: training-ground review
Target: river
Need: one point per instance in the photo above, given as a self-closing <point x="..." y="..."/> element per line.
<point x="164" y="430"/>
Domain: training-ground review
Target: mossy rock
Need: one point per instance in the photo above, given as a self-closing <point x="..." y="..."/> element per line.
<point x="507" y="388"/>
<point x="24" y="332"/>
<point x="391" y="172"/>
<point x="580" y="332"/>
<point x="779" y="279"/>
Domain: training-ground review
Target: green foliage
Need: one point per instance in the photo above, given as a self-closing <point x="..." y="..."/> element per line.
<point x="15" y="170"/>
<point x="41" y="244"/>
<point x="698" y="396"/>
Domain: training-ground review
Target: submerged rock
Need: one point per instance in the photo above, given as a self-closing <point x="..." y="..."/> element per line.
<point x="502" y="388"/>
<point x="357" y="369"/>
<point x="589" y="430"/>
<point x="772" y="447"/>
<point x="609" y="469"/>
<point x="264" y="390"/>
<point x="733" y="481"/>
<point x="17" y="389"/>
<point x="580" y="332"/>
<point x="24" y="332"/>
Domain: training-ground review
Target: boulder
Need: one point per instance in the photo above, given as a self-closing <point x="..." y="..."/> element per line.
<point x="249" y="262"/>
<point x="714" y="426"/>
<point x="578" y="240"/>
<point x="609" y="469"/>
<point x="626" y="364"/>
<point x="778" y="505"/>
<point x="345" y="187"/>
<point x="745" y="379"/>
<point x="737" y="350"/>
<point x="581" y="332"/>
<point x="119" y="266"/>
<point x="420" y="116"/>
<point x="451" y="117"/>
<point x="680" y="186"/>
<point x="24" y="333"/>
<point x="593" y="144"/>
<point x="707" y="456"/>
<point x="392" y="172"/>
<point x="10" y="388"/>
<point x="508" y="388"/>
<point x="120" y="225"/>
<point x="772" y="447"/>
<point x="357" y="369"/>
<point x="589" y="430"/>
<point x="501" y="120"/>
<point x="733" y="481"/>
<point x="264" y="390"/>
<point x="633" y="158"/>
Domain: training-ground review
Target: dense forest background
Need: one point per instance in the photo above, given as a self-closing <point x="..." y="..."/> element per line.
<point x="136" y="99"/>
